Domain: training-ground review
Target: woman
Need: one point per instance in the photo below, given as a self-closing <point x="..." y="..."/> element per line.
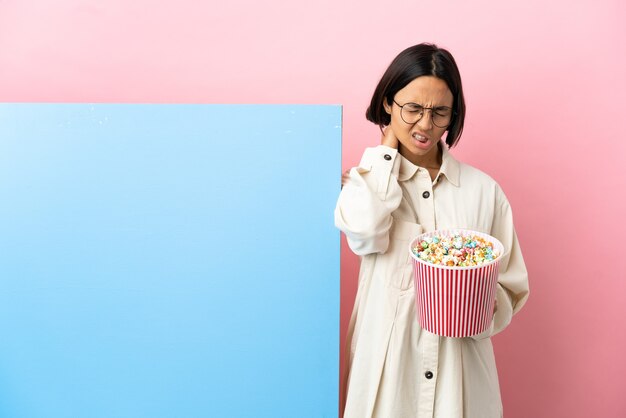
<point x="408" y="185"/>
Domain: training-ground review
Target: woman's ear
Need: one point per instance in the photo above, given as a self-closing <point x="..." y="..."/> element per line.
<point x="386" y="106"/>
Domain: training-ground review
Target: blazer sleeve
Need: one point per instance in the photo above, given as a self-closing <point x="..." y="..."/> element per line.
<point x="368" y="198"/>
<point x="512" y="287"/>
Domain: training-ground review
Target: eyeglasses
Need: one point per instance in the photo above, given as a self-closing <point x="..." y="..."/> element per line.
<point x="412" y="113"/>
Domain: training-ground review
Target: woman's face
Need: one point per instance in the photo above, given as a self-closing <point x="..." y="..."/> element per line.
<point x="419" y="139"/>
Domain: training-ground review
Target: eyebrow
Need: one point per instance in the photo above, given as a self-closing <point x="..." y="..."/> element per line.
<point x="437" y="106"/>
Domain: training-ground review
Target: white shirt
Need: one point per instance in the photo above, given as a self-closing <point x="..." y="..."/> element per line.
<point x="397" y="369"/>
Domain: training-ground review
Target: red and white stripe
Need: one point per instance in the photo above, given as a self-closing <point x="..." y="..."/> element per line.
<point x="455" y="302"/>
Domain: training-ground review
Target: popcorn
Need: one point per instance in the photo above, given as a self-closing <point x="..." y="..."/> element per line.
<point x="456" y="250"/>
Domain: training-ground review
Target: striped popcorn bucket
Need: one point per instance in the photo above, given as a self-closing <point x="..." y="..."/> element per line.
<point x="455" y="301"/>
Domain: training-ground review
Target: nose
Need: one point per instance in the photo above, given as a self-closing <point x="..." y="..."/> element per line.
<point x="426" y="121"/>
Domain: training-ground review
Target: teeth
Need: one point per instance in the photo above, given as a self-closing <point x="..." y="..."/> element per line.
<point x="419" y="137"/>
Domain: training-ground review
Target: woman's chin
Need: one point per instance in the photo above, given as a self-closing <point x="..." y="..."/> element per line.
<point x="420" y="149"/>
<point x="415" y="153"/>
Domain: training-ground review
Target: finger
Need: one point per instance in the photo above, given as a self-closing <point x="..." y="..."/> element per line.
<point x="384" y="132"/>
<point x="389" y="138"/>
<point x="344" y="179"/>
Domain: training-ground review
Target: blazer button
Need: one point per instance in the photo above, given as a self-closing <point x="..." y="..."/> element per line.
<point x="429" y="375"/>
<point x="387" y="157"/>
<point x="426" y="194"/>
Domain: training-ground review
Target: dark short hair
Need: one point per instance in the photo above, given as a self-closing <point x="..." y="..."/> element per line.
<point x="413" y="62"/>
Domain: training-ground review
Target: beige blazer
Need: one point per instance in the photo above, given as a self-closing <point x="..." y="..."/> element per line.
<point x="397" y="369"/>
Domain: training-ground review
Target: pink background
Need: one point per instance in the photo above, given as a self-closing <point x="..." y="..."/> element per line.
<point x="544" y="82"/>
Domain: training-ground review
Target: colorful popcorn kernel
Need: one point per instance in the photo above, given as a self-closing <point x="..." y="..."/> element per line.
<point x="456" y="250"/>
